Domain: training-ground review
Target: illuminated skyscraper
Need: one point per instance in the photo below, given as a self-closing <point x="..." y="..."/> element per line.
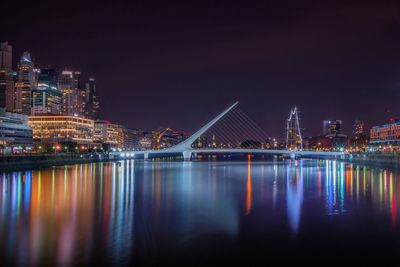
<point x="66" y="85"/>
<point x="46" y="98"/>
<point x="92" y="102"/>
<point x="332" y="127"/>
<point x="325" y="126"/>
<point x="81" y="94"/>
<point x="25" y="84"/>
<point x="293" y="134"/>
<point x="358" y="128"/>
<point x="6" y="80"/>
<point x="131" y="138"/>
<point x="78" y="99"/>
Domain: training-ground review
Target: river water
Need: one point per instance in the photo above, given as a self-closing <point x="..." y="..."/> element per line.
<point x="125" y="213"/>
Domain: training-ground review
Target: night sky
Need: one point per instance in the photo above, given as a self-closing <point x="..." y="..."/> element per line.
<point x="177" y="65"/>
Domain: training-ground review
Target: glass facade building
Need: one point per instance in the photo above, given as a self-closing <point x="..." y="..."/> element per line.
<point x="14" y="129"/>
<point x="24" y="86"/>
<point x="92" y="102"/>
<point x="46" y="97"/>
<point x="6" y="79"/>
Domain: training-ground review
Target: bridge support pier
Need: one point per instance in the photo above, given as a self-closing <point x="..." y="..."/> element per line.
<point x="146" y="156"/>
<point x="187" y="155"/>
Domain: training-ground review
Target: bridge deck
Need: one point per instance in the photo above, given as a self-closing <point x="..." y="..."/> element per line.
<point x="232" y="151"/>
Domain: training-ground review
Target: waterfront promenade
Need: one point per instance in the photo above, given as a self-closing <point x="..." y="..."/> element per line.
<point x="14" y="162"/>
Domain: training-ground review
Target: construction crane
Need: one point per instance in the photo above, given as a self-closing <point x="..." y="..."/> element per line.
<point x="157" y="137"/>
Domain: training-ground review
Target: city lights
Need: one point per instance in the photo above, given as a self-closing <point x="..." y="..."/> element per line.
<point x="202" y="133"/>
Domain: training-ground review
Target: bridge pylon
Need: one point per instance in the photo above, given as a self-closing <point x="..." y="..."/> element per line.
<point x="187" y="155"/>
<point x="293" y="135"/>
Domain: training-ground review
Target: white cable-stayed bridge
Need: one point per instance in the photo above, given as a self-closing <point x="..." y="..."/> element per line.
<point x="231" y="132"/>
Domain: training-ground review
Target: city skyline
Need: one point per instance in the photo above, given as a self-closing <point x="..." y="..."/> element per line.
<point x="199" y="59"/>
<point x="69" y="83"/>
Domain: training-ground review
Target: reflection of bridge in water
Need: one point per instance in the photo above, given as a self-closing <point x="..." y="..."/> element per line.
<point x="187" y="149"/>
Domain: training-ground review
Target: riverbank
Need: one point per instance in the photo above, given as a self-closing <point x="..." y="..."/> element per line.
<point x="384" y="160"/>
<point x="18" y="162"/>
<point x="373" y="159"/>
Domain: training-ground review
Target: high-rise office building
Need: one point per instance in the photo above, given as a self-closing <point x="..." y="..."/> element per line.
<point x="46" y="98"/>
<point x="131" y="138"/>
<point x="336" y="127"/>
<point x="6" y="80"/>
<point x="358" y="128"/>
<point x="325" y="126"/>
<point x="81" y="94"/>
<point x="82" y="108"/>
<point x="78" y="99"/>
<point x="36" y="72"/>
<point x="66" y="85"/>
<point x="92" y="102"/>
<point x="332" y="127"/>
<point x="26" y="81"/>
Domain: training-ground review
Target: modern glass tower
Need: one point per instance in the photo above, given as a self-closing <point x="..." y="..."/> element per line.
<point x="6" y="80"/>
<point x="92" y="102"/>
<point x="25" y="84"/>
<point x="66" y="85"/>
<point x="46" y="97"/>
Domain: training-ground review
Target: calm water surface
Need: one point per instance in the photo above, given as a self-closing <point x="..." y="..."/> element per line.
<point x="196" y="213"/>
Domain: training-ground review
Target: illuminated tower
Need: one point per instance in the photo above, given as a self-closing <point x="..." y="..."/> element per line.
<point x="358" y="128"/>
<point x="46" y="99"/>
<point x="6" y="80"/>
<point x="66" y="85"/>
<point x="92" y="102"/>
<point x="293" y="134"/>
<point x="25" y="84"/>
<point x="81" y="93"/>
